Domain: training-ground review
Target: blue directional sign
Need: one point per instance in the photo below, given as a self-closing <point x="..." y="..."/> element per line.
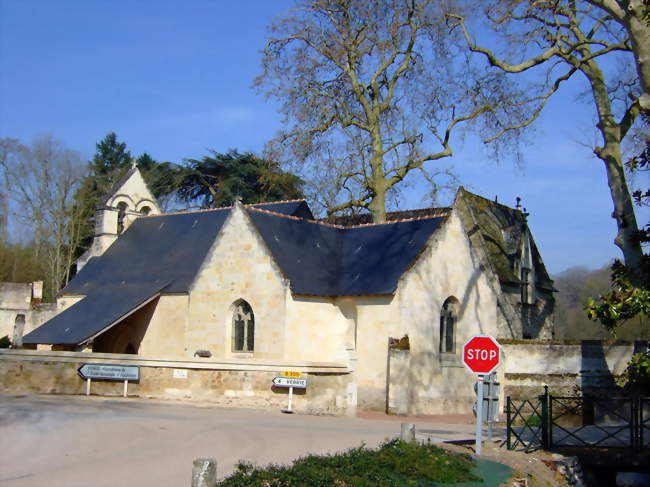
<point x="110" y="372"/>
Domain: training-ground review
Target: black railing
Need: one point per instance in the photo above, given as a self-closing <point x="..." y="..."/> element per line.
<point x="525" y="418"/>
<point x="549" y="421"/>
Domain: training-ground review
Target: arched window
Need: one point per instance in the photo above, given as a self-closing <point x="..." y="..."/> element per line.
<point x="243" y="327"/>
<point x="145" y="210"/>
<point x="121" y="211"/>
<point x="448" y="320"/>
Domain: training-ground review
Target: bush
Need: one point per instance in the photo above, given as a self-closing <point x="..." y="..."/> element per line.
<point x="4" y="342"/>
<point x="393" y="463"/>
<point x="636" y="377"/>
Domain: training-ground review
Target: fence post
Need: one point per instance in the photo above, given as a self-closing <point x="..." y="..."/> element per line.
<point x="635" y="420"/>
<point x="204" y="472"/>
<point x="545" y="418"/>
<point x="508" y="424"/>
<point x="549" y="415"/>
<point x="407" y="432"/>
<point x="641" y="423"/>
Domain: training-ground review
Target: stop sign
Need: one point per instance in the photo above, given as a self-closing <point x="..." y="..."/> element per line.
<point x="482" y="354"/>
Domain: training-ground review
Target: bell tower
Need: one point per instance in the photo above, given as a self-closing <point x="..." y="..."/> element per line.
<point x="129" y="199"/>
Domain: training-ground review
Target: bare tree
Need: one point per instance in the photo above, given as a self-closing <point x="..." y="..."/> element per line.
<point x="41" y="181"/>
<point x="371" y="93"/>
<point x="563" y="39"/>
<point x="634" y="17"/>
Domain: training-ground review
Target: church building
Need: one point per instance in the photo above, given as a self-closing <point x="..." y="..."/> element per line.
<point x="268" y="284"/>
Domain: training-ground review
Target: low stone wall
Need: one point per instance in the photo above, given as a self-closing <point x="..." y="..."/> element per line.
<point x="565" y="366"/>
<point x="329" y="389"/>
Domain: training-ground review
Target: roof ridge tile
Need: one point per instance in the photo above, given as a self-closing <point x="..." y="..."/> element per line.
<point x="343" y="227"/>
<point x="275" y="202"/>
<point x="187" y="212"/>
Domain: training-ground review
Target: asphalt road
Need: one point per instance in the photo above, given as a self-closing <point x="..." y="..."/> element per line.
<point x="55" y="441"/>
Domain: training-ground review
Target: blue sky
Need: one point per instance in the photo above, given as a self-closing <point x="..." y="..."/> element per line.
<point x="174" y="79"/>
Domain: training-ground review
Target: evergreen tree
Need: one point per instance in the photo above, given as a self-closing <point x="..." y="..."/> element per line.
<point x="219" y="179"/>
<point x="110" y="156"/>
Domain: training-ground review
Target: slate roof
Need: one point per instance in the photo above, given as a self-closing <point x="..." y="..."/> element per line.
<point x="502" y="229"/>
<point x="328" y="260"/>
<point x="95" y="313"/>
<point x="162" y="254"/>
<point x="168" y="248"/>
<point x="366" y="218"/>
<point x="298" y="208"/>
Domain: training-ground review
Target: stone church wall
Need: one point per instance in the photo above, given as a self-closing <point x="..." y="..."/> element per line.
<point x="238" y="266"/>
<point x="156" y="329"/>
<point x="438" y="382"/>
<point x="316" y="329"/>
<point x="525" y="321"/>
<point x="377" y="320"/>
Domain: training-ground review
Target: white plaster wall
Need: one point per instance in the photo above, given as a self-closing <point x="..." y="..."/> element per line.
<point x="239" y="266"/>
<point x="316" y="329"/>
<point x="15" y="295"/>
<point x="446" y="268"/>
<point x="67" y="300"/>
<point x="559" y="358"/>
<point x="377" y="320"/>
<point x="34" y="317"/>
<point x="165" y="334"/>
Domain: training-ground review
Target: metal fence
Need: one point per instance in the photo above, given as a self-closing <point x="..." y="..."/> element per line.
<point x="549" y="421"/>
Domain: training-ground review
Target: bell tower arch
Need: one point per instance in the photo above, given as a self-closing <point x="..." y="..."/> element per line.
<point x="129" y="199"/>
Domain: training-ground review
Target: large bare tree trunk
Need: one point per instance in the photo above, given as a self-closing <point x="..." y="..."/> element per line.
<point x="613" y="133"/>
<point x="626" y="237"/>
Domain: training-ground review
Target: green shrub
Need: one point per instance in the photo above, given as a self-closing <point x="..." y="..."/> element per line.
<point x="534" y="421"/>
<point x="4" y="342"/>
<point x="394" y="463"/>
<point x="636" y="377"/>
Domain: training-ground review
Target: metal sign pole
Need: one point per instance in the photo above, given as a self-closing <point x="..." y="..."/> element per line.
<point x="290" y="399"/>
<point x="88" y="386"/>
<point x="491" y="380"/>
<point x="479" y="414"/>
<point x="126" y="385"/>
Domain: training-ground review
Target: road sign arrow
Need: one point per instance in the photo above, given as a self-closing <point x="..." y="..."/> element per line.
<point x="109" y="372"/>
<point x="290" y="382"/>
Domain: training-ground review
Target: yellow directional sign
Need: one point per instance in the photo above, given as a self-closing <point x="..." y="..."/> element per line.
<point x="289" y="373"/>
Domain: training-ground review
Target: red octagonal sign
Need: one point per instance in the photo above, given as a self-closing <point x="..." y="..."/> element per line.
<point x="482" y="354"/>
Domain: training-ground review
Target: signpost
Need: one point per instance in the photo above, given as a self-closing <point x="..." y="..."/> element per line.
<point x="113" y="372"/>
<point x="290" y="382"/>
<point x="482" y="356"/>
<point x="490" y="401"/>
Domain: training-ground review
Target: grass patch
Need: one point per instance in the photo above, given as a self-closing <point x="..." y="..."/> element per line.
<point x="394" y="463"/>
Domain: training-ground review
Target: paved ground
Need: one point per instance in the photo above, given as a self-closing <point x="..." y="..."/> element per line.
<point x="75" y="441"/>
